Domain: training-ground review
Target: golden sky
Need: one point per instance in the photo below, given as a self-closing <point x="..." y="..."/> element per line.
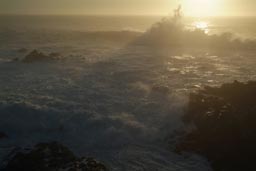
<point x="130" y="7"/>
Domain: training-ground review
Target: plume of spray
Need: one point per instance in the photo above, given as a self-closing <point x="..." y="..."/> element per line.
<point x="177" y="13"/>
<point x="169" y="28"/>
<point x="170" y="32"/>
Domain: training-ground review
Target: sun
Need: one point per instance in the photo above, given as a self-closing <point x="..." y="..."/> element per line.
<point x="201" y="8"/>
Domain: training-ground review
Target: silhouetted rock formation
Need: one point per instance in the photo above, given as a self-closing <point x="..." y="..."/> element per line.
<point x="52" y="157"/>
<point x="225" y="126"/>
<point x="35" y="56"/>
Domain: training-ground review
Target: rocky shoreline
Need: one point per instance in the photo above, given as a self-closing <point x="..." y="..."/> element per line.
<point x="224" y="120"/>
<point x="223" y="130"/>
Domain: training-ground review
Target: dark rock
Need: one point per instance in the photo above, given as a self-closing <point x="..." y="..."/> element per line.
<point x="54" y="55"/>
<point x="35" y="56"/>
<point x="3" y="135"/>
<point x="51" y="157"/>
<point x="16" y="59"/>
<point x="225" y="126"/>
<point x="160" y="89"/>
<point x="22" y="50"/>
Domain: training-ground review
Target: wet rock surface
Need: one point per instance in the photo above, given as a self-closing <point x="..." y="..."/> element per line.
<point x="225" y="126"/>
<point x="51" y="157"/>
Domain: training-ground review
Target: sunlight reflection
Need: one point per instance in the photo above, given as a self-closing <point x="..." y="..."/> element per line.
<point x="202" y="26"/>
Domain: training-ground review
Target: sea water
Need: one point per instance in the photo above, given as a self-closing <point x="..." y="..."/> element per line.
<point x="99" y="98"/>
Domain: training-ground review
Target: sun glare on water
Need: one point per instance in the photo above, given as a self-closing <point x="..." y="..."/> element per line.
<point x="202" y="26"/>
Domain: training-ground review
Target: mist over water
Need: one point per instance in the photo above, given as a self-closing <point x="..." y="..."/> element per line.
<point x="109" y="96"/>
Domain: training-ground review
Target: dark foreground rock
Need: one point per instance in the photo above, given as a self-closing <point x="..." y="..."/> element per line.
<point x="35" y="56"/>
<point x="51" y="157"/>
<point x="225" y="126"/>
<point x="3" y="135"/>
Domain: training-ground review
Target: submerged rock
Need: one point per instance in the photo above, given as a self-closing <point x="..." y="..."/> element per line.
<point x="35" y="56"/>
<point x="225" y="126"/>
<point x="51" y="157"/>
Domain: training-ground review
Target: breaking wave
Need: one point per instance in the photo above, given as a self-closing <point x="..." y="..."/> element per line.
<point x="172" y="33"/>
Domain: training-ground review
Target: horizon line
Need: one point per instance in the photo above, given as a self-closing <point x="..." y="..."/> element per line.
<point x="92" y="14"/>
<point x="115" y="14"/>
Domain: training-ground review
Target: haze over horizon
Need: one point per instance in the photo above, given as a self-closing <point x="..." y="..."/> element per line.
<point x="129" y="7"/>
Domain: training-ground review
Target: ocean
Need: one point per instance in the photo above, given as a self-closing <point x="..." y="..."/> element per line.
<point x="109" y="96"/>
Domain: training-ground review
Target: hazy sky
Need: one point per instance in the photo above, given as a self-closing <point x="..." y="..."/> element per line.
<point x="129" y="7"/>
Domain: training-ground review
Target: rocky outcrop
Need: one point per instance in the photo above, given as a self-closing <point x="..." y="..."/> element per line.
<point x="36" y="55"/>
<point x="51" y="157"/>
<point x="225" y="126"/>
